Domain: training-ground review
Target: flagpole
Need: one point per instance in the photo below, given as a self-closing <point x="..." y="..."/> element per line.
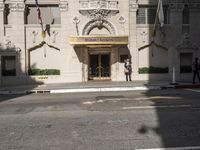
<point x="154" y="27"/>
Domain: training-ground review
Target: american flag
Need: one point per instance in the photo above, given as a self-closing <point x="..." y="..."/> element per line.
<point x="39" y="14"/>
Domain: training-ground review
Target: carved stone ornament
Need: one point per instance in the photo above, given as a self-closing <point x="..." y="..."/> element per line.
<point x="76" y="20"/>
<point x="7" y="45"/>
<point x="17" y="7"/>
<point x="133" y="7"/>
<point x="98" y="10"/>
<point x="34" y="34"/>
<point x="186" y="44"/>
<point x="122" y="20"/>
<point x="2" y="6"/>
<point x="63" y="6"/>
<point x="93" y="24"/>
<point x="54" y="33"/>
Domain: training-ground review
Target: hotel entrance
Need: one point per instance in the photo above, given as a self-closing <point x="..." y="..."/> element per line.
<point x="99" y="66"/>
<point x="100" y="54"/>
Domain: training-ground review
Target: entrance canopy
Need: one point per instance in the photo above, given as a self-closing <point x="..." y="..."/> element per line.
<point x="98" y="40"/>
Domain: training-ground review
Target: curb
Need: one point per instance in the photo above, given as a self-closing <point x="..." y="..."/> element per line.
<point x="187" y="86"/>
<point x="86" y="90"/>
<point x="97" y="89"/>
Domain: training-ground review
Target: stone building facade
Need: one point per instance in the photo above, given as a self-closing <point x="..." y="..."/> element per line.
<point x="90" y="39"/>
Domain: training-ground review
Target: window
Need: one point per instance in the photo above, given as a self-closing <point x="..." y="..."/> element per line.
<point x="8" y="65"/>
<point x="186" y="62"/>
<point x="147" y="15"/>
<point x="49" y="14"/>
<point x="6" y="13"/>
<point x="141" y="16"/>
<point x="151" y="15"/>
<point x="186" y="15"/>
<point x="185" y="20"/>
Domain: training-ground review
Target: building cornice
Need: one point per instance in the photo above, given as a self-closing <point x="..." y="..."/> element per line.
<point x="17" y="7"/>
<point x="133" y="7"/>
<point x="179" y="6"/>
<point x="63" y="5"/>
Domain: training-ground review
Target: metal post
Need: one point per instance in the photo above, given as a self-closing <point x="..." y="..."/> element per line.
<point x="0" y="72"/>
<point x="174" y="77"/>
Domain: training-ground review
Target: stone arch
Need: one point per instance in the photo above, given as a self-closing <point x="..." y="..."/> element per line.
<point x="96" y="24"/>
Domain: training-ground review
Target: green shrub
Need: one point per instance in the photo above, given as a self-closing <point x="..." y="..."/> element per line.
<point x="34" y="71"/>
<point x="148" y="70"/>
<point x="185" y="69"/>
<point x="44" y="72"/>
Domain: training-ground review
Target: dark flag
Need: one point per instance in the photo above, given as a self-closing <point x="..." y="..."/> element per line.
<point x="39" y="14"/>
<point x="159" y="16"/>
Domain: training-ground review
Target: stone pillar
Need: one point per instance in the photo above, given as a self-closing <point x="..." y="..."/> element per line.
<point x="1" y="31"/>
<point x="1" y="19"/>
<point x="17" y="8"/>
<point x="0" y="72"/>
<point x="113" y="57"/>
<point x="64" y="20"/>
<point x="133" y="38"/>
<point x="175" y="38"/>
<point x="85" y="63"/>
<point x="63" y="8"/>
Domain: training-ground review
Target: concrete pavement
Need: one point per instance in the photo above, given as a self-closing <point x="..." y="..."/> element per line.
<point x="93" y="86"/>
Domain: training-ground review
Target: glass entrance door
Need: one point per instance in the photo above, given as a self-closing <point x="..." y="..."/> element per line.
<point x="99" y="66"/>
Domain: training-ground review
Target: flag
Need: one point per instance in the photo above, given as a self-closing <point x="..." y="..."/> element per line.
<point x="39" y="13"/>
<point x="159" y="16"/>
<point x="160" y="13"/>
<point x="47" y="29"/>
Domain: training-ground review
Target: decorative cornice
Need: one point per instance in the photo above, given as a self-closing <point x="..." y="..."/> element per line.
<point x="194" y="6"/>
<point x="180" y="6"/>
<point x="133" y="7"/>
<point x="133" y="1"/>
<point x="63" y="6"/>
<point x="186" y="44"/>
<point x="92" y="24"/>
<point x="7" y="45"/>
<point x="17" y="7"/>
<point x="176" y="6"/>
<point x="98" y="10"/>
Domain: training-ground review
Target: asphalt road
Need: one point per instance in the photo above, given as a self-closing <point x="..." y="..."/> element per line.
<point x="101" y="121"/>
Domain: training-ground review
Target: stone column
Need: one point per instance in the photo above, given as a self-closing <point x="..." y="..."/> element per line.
<point x="175" y="38"/>
<point x="85" y="63"/>
<point x="133" y="38"/>
<point x="1" y="19"/>
<point x="64" y="20"/>
<point x="0" y="72"/>
<point x="17" y="8"/>
<point x="113" y="57"/>
<point x="1" y="31"/>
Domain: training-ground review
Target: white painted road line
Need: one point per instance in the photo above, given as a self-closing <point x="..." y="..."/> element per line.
<point x="112" y="89"/>
<point x="175" y="148"/>
<point x="156" y="107"/>
<point x="85" y="90"/>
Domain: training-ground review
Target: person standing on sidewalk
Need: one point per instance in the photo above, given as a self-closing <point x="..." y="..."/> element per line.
<point x="127" y="70"/>
<point x="195" y="69"/>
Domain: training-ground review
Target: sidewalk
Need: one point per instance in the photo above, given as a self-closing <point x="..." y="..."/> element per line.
<point x="93" y="86"/>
